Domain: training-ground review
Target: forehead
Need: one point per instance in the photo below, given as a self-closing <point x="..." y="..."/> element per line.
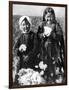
<point x="49" y="13"/>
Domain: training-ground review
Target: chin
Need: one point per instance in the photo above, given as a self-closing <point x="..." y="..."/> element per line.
<point x="49" y="22"/>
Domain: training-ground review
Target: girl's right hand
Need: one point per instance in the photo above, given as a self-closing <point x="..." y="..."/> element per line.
<point x="22" y="47"/>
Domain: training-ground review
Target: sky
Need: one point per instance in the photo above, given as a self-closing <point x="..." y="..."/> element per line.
<point x="32" y="10"/>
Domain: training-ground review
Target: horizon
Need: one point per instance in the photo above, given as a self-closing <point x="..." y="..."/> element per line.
<point x="32" y="10"/>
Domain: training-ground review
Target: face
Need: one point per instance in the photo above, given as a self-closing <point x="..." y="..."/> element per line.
<point x="49" y="18"/>
<point x="25" y="26"/>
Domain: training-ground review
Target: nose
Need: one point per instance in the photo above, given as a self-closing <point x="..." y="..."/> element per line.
<point x="25" y="26"/>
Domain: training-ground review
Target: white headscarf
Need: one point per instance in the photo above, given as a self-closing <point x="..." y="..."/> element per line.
<point x="21" y="19"/>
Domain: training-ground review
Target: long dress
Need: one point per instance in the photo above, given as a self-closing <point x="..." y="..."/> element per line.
<point x="30" y="40"/>
<point x="52" y="49"/>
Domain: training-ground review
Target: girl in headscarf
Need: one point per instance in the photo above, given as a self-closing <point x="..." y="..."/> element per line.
<point x="26" y="45"/>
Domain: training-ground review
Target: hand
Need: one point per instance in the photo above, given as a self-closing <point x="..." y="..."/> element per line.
<point x="47" y="31"/>
<point x="26" y="58"/>
<point x="22" y="47"/>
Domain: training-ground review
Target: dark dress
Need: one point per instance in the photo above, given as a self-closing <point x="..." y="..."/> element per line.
<point x="30" y="40"/>
<point x="51" y="49"/>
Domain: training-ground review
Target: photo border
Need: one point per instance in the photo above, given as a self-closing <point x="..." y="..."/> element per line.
<point x="11" y="86"/>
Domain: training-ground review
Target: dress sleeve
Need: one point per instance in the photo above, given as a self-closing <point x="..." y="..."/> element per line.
<point x="17" y="44"/>
<point x="61" y="44"/>
<point x="59" y="34"/>
<point x="59" y="31"/>
<point x="16" y="47"/>
<point x="40" y="31"/>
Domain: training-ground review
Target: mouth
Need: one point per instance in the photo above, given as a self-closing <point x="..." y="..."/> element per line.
<point x="48" y="21"/>
<point x="25" y="30"/>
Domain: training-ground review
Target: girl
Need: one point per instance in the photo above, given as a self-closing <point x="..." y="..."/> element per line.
<point x="51" y="41"/>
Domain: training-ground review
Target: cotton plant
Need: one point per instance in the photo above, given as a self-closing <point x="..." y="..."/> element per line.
<point x="29" y="77"/>
<point x="24" y="77"/>
<point x="42" y="67"/>
<point x="42" y="72"/>
<point x="36" y="78"/>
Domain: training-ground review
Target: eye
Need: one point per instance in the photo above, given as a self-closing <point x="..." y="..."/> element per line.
<point x="23" y="24"/>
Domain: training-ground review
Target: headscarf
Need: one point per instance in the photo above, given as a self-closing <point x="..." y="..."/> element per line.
<point x="21" y="20"/>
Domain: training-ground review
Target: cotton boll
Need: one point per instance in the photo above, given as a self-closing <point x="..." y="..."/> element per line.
<point x="57" y="71"/>
<point x="35" y="74"/>
<point x="29" y="70"/>
<point x="42" y="73"/>
<point x="34" y="78"/>
<point x="36" y="66"/>
<point x="62" y="70"/>
<point x="41" y="65"/>
<point x="39" y="79"/>
<point x="59" y="80"/>
<point x="45" y="66"/>
<point x="22" y="72"/>
<point x="23" y="80"/>
<point x="30" y="77"/>
<point x="52" y="74"/>
<point x="25" y="76"/>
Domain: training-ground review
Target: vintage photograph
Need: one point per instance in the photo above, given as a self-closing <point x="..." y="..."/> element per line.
<point x="38" y="44"/>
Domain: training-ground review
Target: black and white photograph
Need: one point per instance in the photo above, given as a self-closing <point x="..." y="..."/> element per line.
<point x="37" y="44"/>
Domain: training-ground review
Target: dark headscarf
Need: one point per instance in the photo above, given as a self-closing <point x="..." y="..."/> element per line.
<point x="48" y="10"/>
